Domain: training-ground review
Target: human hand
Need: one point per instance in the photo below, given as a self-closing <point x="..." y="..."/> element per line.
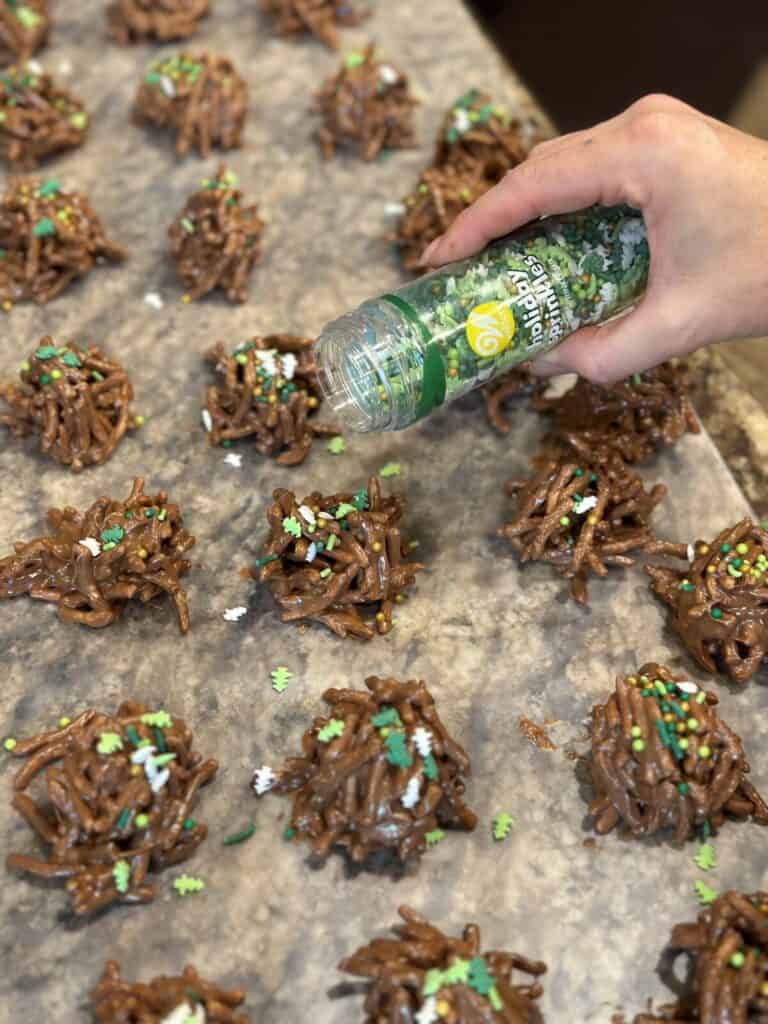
<point x="703" y="190"/>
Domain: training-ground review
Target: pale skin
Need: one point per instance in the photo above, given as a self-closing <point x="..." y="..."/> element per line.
<point x="703" y="189"/>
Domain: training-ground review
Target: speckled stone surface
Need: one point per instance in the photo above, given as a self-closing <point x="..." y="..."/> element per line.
<point x="493" y="642"/>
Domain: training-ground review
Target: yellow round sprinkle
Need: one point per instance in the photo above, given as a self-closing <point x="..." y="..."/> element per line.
<point x="64" y="722"/>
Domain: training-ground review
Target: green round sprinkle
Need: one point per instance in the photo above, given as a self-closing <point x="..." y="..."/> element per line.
<point x="742" y="549"/>
<point x="646" y="693"/>
<point x="289" y="833"/>
<point x="638" y="745"/>
<point x="716" y="613"/>
<point x="671" y="687"/>
<point x="682" y="788"/>
<point x="141" y="820"/>
<point x="725" y="548"/>
<point x="578" y="471"/>
<point x="10" y="743"/>
<point x="635" y="731"/>
<point x="692" y="724"/>
<point x="189" y="824"/>
<point x="736" y="563"/>
<point x="704" y="753"/>
<point x="737" y="960"/>
<point x="149" y="513"/>
<point x="44" y="379"/>
<point x="565" y="521"/>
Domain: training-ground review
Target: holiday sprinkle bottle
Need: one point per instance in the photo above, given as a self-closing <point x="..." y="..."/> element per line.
<point x="394" y="359"/>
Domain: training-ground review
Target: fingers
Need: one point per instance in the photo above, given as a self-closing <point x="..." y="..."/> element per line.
<point x="586" y="172"/>
<point x="637" y="341"/>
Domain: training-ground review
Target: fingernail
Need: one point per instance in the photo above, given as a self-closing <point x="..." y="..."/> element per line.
<point x="430" y="251"/>
<point x="548" y="365"/>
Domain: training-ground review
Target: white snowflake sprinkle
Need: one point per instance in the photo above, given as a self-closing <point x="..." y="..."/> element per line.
<point x="234" y="459"/>
<point x="428" y="1013"/>
<point x="289" y="363"/>
<point x="233" y="614"/>
<point x="207" y="421"/>
<point x="311" y="552"/>
<point x="307" y="514"/>
<point x="142" y="755"/>
<point x="267" y="360"/>
<point x="35" y="67"/>
<point x="410" y="797"/>
<point x="585" y="505"/>
<point x="184" y="1014"/>
<point x="394" y="209"/>
<point x="166" y="84"/>
<point x="690" y="551"/>
<point x="92" y="544"/>
<point x="154" y="300"/>
<point x="388" y="74"/>
<point x="461" y="121"/>
<point x="687" y="687"/>
<point x="422" y="740"/>
<point x="263" y="780"/>
<point x="158" y="778"/>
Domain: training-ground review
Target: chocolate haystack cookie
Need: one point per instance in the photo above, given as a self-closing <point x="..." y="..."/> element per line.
<point x="635" y="417"/>
<point x="478" y="131"/>
<point x="378" y="772"/>
<point x="501" y="391"/>
<point x="131" y="21"/>
<point x="24" y="26"/>
<point x="200" y="97"/>
<point x="331" y="558"/>
<point x="112" y="797"/>
<point x="97" y="561"/>
<point x="183" y="999"/>
<point x="662" y="759"/>
<point x="367" y="104"/>
<point x="582" y="518"/>
<point x="268" y="390"/>
<point x="727" y="949"/>
<point x="37" y="118"/>
<point x="75" y="398"/>
<point x="49" y="238"/>
<point x="424" y="976"/>
<point x="441" y="194"/>
<point x="320" y="18"/>
<point x="719" y="603"/>
<point x="216" y="239"/>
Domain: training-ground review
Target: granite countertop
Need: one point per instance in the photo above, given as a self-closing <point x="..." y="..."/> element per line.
<point x="493" y="641"/>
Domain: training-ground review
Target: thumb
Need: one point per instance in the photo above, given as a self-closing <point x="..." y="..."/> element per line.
<point x="637" y="340"/>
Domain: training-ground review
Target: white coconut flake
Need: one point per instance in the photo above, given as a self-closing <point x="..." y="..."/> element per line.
<point x="233" y="614"/>
<point x="388" y="74"/>
<point x="307" y="514"/>
<point x="687" y="687"/>
<point x="585" y="505"/>
<point x="428" y="1013"/>
<point x="311" y="552"/>
<point x="263" y="780"/>
<point x="690" y="551"/>
<point x="35" y="67"/>
<point x="184" y="1014"/>
<point x="166" y="84"/>
<point x="154" y="300"/>
<point x="267" y="360"/>
<point x="325" y="515"/>
<point x="234" y="459"/>
<point x="422" y="740"/>
<point x="289" y="364"/>
<point x="92" y="544"/>
<point x="410" y="797"/>
<point x="207" y="421"/>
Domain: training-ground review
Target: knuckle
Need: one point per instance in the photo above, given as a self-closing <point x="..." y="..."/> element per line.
<point x="656" y="128"/>
<point x="655" y="102"/>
